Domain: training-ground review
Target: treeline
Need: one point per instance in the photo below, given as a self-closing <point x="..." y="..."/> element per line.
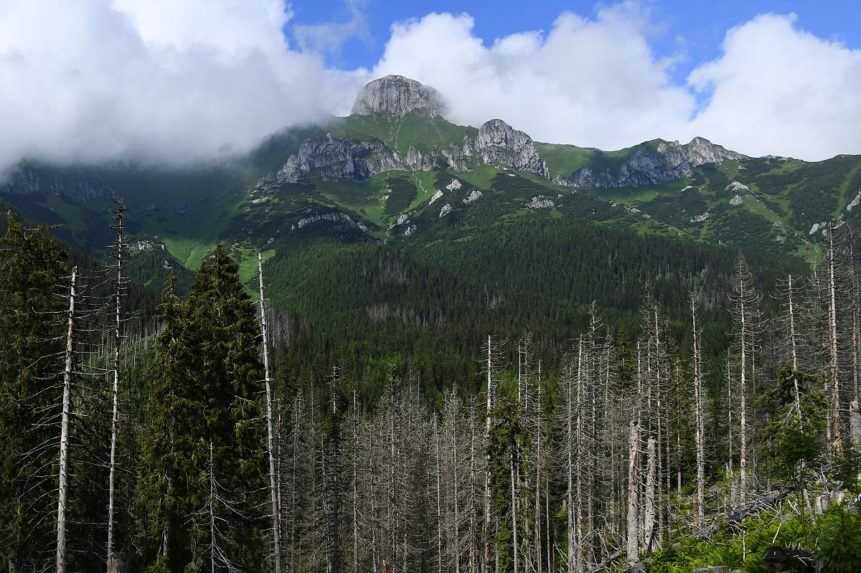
<point x="202" y="442"/>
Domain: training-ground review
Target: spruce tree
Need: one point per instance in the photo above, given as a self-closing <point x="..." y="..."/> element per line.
<point x="31" y="265"/>
<point x="205" y="389"/>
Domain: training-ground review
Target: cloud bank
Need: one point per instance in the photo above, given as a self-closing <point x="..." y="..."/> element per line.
<point x="775" y="89"/>
<point x="178" y="81"/>
<point x="157" y="80"/>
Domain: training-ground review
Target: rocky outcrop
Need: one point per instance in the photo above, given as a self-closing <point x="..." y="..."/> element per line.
<point x="540" y="202"/>
<point x="496" y="143"/>
<point x="332" y="158"/>
<point x="653" y="163"/>
<point x="501" y="145"/>
<point x="398" y="96"/>
<point x="333" y="217"/>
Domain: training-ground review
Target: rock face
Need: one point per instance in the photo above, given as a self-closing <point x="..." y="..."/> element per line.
<point x="496" y="143"/>
<point x="333" y="158"/>
<point x="501" y="145"/>
<point x="653" y="163"/>
<point x="398" y="96"/>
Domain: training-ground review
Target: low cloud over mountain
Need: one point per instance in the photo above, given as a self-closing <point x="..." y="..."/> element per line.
<point x="177" y="81"/>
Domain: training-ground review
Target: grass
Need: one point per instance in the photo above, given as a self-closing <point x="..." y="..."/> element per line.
<point x="563" y="160"/>
<point x="481" y="176"/>
<point x="401" y="133"/>
<point x="190" y="252"/>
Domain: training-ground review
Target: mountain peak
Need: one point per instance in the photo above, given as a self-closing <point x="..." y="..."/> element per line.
<point x="701" y="151"/>
<point x="398" y="96"/>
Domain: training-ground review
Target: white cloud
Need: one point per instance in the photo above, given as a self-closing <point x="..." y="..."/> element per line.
<point x="591" y="82"/>
<point x="160" y="80"/>
<point x="180" y="80"/>
<point x="774" y="90"/>
<point x="779" y="90"/>
<point x="330" y="37"/>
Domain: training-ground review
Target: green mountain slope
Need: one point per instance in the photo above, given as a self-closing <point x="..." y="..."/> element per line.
<point x="417" y="184"/>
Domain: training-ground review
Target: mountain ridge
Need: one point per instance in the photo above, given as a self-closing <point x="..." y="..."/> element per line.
<point x="406" y="173"/>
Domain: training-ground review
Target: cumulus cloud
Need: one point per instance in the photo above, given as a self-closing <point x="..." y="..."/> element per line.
<point x="329" y="37"/>
<point x="157" y="80"/>
<point x="591" y="82"/>
<point x="777" y="89"/>
<point x="177" y="81"/>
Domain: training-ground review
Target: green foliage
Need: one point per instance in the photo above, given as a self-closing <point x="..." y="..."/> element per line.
<point x="834" y="537"/>
<point x="32" y="265"/>
<point x="401" y="133"/>
<point x="203" y="394"/>
<point x="838" y="537"/>
<point x="795" y="437"/>
<point x="846" y="469"/>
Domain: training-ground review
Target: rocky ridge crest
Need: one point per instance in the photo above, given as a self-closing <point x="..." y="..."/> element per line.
<point x="653" y="163"/>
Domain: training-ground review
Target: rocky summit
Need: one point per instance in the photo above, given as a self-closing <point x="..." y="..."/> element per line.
<point x="652" y="163"/>
<point x="501" y="145"/>
<point x="398" y="96"/>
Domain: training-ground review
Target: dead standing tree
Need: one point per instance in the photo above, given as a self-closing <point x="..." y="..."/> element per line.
<point x="698" y="414"/>
<point x="120" y="288"/>
<point x="745" y="301"/>
<point x="270" y="438"/>
<point x="63" y="477"/>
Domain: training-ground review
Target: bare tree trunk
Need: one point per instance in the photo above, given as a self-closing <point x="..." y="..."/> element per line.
<point x="835" y="439"/>
<point x="63" y="493"/>
<point x="438" y="497"/>
<point x="270" y="445"/>
<point x="794" y="347"/>
<point x="120" y="244"/>
<point x="513" y="470"/>
<point x="578" y="521"/>
<point x="472" y="508"/>
<point x="729" y="407"/>
<point x="539" y="422"/>
<point x="547" y="522"/>
<point x="355" y="481"/>
<point x="454" y="439"/>
<point x="633" y="534"/>
<point x="742" y="462"/>
<point x="855" y="424"/>
<point x="569" y="473"/>
<point x="649" y="518"/>
<point x="212" y="529"/>
<point x="698" y="407"/>
<point x="488" y="422"/>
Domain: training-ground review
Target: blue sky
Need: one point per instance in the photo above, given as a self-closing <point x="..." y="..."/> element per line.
<point x="690" y="31"/>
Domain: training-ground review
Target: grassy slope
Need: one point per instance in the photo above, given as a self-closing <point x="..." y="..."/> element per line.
<point x="193" y="209"/>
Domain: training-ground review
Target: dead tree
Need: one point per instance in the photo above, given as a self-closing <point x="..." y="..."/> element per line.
<point x="834" y="431"/>
<point x="745" y="302"/>
<point x="63" y="483"/>
<point x="698" y="415"/>
<point x="790" y="325"/>
<point x="855" y="424"/>
<point x="270" y="440"/>
<point x="568" y="381"/>
<point x="119" y="251"/>
<point x="649" y="521"/>
<point x="633" y="534"/>
<point x="488" y="424"/>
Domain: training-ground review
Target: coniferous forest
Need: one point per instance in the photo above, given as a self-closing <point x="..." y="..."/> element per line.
<point x="712" y="420"/>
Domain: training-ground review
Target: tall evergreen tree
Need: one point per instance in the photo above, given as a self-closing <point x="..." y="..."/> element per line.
<point x="205" y="389"/>
<point x="31" y="265"/>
